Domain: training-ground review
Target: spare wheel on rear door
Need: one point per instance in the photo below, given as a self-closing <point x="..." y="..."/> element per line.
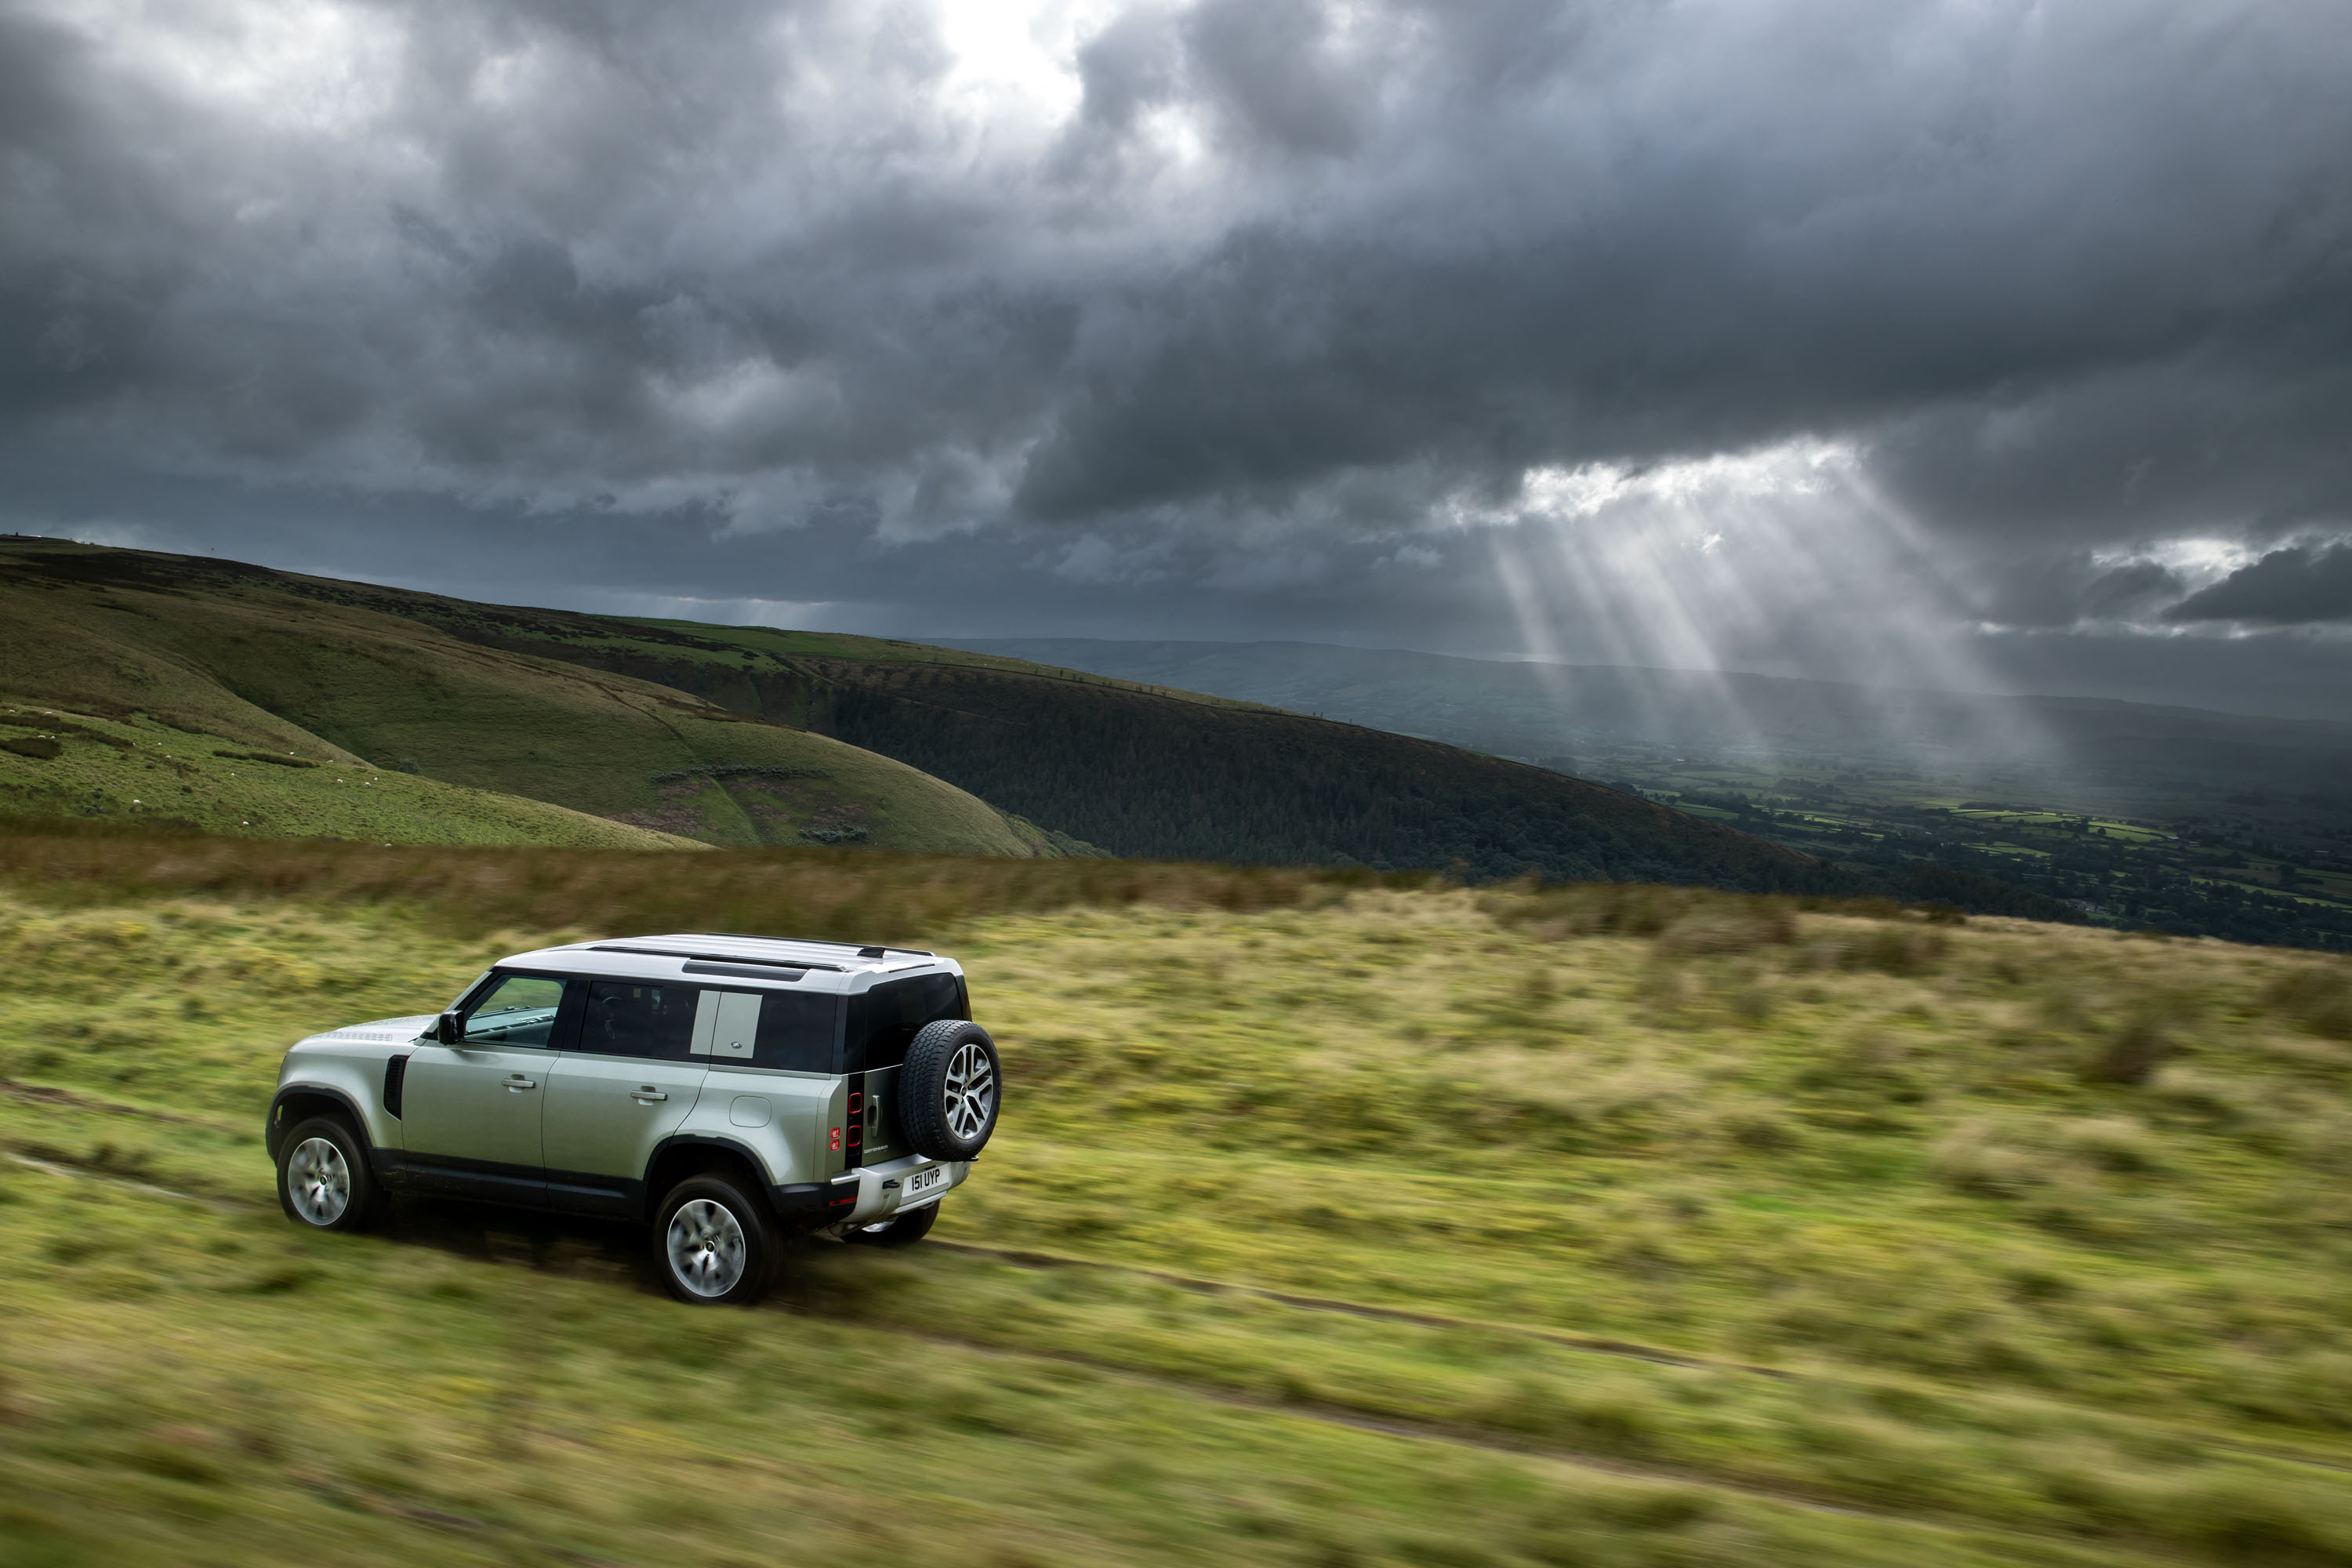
<point x="949" y="1090"/>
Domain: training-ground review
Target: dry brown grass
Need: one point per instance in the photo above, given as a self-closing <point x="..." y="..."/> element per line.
<point x="862" y="895"/>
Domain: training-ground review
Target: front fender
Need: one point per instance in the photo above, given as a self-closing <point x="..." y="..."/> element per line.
<point x="351" y="1078"/>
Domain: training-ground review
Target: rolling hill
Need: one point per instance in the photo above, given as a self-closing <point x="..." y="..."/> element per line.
<point x="734" y="735"/>
<point x="135" y="676"/>
<point x="1135" y="769"/>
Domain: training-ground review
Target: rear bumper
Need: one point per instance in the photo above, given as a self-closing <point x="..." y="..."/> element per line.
<point x="814" y="1205"/>
<point x="881" y="1188"/>
<point x="865" y="1196"/>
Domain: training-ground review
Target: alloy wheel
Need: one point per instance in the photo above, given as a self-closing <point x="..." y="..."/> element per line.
<point x="970" y="1093"/>
<point x="706" y="1249"/>
<point x="319" y="1181"/>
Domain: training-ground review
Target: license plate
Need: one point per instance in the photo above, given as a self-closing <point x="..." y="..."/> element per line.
<point x="921" y="1182"/>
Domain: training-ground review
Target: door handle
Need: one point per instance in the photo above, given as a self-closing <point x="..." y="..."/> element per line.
<point x="517" y="1083"/>
<point x="647" y="1095"/>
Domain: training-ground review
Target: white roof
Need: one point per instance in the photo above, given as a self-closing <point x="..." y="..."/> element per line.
<point x="745" y="961"/>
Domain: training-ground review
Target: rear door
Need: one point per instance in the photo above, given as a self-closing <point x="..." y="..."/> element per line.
<point x="627" y="1082"/>
<point x="885" y="1019"/>
<point x="471" y="1112"/>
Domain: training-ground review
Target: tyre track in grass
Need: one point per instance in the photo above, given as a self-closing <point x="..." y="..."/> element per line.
<point x="2052" y="1545"/>
<point x="1594" y="1345"/>
<point x="1625" y="1349"/>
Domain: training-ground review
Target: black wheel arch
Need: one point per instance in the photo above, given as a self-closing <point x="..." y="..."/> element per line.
<point x="300" y="1101"/>
<point x="684" y="1154"/>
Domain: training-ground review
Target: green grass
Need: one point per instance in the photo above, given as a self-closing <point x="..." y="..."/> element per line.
<point x="205" y="657"/>
<point x="1332" y="1221"/>
<point x="135" y="770"/>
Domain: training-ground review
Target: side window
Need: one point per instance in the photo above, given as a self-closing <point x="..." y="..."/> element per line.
<point x="800" y="1031"/>
<point x="515" y="1010"/>
<point x="625" y="1018"/>
<point x="894" y="1010"/>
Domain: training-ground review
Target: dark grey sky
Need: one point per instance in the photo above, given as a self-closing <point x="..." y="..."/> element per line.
<point x="1984" y="344"/>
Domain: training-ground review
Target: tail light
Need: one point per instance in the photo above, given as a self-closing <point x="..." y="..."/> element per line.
<point x="850" y="1137"/>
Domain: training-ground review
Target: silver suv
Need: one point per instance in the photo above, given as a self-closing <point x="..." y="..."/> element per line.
<point x="729" y="1089"/>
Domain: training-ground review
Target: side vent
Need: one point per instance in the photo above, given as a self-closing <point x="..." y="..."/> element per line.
<point x="395" y="1072"/>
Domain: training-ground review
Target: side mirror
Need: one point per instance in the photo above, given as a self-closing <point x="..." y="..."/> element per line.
<point x="448" y="1028"/>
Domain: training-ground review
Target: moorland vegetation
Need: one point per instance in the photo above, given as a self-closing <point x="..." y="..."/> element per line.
<point x="1336" y="1218"/>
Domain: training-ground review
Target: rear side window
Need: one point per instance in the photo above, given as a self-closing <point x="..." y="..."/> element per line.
<point x="799" y="1031"/>
<point x="625" y="1018"/>
<point x="883" y="1021"/>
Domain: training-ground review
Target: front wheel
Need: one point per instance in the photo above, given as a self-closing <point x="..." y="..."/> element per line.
<point x="323" y="1180"/>
<point x="712" y="1243"/>
<point x="899" y="1229"/>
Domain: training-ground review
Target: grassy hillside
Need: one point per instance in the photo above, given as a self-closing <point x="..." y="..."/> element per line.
<point x="1333" y="1221"/>
<point x="231" y="661"/>
<point x="473" y="691"/>
<point x="1143" y="770"/>
<point x="136" y="770"/>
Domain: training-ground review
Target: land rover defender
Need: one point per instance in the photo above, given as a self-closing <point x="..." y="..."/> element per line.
<point x="727" y="1090"/>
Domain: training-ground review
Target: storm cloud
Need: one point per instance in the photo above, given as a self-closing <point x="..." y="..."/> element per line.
<point x="2298" y="583"/>
<point x="1657" y="332"/>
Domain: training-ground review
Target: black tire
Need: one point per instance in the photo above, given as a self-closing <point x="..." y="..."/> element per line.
<point x="941" y="1118"/>
<point x="724" y="1245"/>
<point x="899" y="1230"/>
<point x="328" y="1188"/>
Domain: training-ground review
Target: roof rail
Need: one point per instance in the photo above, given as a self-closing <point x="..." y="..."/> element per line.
<point x="864" y="950"/>
<point x="711" y="957"/>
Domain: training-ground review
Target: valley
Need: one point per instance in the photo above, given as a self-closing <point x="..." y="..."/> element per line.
<point x="2195" y="823"/>
<point x="2244" y="868"/>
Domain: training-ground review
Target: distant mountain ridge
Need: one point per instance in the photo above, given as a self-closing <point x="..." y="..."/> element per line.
<point x="1547" y="710"/>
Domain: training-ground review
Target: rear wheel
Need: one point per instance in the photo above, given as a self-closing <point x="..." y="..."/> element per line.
<point x="323" y="1180"/>
<point x="899" y="1230"/>
<point x="713" y="1245"/>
